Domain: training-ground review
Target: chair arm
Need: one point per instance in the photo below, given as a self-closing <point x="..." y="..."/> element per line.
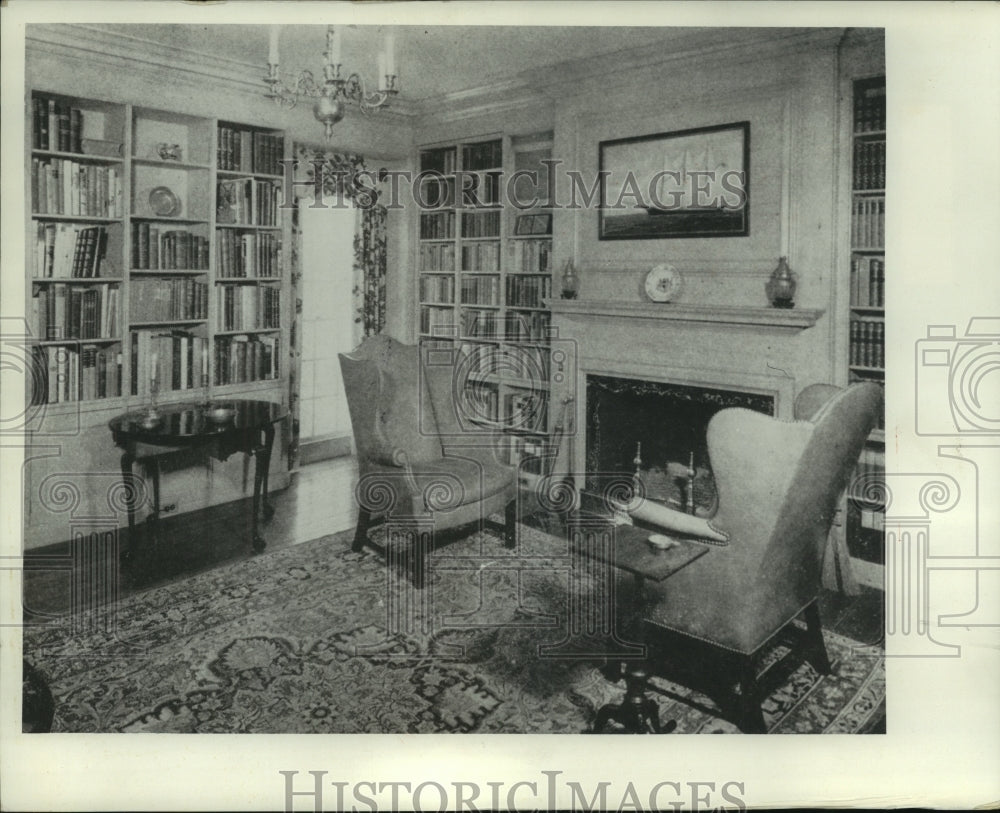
<point x="677" y="522"/>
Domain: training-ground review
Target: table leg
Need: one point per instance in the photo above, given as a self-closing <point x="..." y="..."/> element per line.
<point x="262" y="463"/>
<point x="153" y="520"/>
<point x="638" y="712"/>
<point x="268" y="445"/>
<point x="128" y="478"/>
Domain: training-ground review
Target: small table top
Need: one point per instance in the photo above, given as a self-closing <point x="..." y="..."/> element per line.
<point x="632" y="551"/>
<point x="193" y="424"/>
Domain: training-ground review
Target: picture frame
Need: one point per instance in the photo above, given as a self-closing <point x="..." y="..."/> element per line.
<point x="682" y="184"/>
<point x="527" y="225"/>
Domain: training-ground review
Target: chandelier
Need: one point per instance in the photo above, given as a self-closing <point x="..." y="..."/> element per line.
<point x="335" y="91"/>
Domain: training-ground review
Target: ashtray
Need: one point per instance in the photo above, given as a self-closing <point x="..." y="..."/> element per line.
<point x="662" y="542"/>
<point x="220" y="414"/>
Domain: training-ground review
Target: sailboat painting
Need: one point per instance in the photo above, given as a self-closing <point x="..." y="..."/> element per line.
<point x="688" y="183"/>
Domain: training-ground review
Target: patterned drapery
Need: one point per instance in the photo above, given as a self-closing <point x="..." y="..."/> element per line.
<point x="339" y="177"/>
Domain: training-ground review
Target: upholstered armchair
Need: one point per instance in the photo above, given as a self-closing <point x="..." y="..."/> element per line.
<point x="419" y="462"/>
<point x="779" y="484"/>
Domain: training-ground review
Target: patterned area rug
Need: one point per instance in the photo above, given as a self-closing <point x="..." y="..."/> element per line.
<point x="315" y="638"/>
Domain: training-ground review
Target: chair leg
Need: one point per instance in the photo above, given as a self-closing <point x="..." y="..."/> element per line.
<point x="751" y="716"/>
<point x="815" y="645"/>
<point x="361" y="533"/>
<point x="510" y="524"/>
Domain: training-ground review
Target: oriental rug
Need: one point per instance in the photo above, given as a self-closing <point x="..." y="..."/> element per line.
<point x="316" y="638"/>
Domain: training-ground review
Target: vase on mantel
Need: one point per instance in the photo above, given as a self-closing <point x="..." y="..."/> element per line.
<point x="570" y="281"/>
<point x="780" y="287"/>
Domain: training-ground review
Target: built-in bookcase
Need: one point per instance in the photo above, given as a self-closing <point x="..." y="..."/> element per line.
<point x="484" y="277"/>
<point x="155" y="253"/>
<point x="866" y="338"/>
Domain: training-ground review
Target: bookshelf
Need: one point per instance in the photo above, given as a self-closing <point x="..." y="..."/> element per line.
<point x="866" y="338"/>
<point x="485" y="273"/>
<point x="154" y="255"/>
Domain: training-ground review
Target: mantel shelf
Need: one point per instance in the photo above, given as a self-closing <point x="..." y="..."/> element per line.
<point x="791" y="319"/>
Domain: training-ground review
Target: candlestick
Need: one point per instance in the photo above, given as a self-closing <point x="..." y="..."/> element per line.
<point x="390" y="55"/>
<point x="272" y="54"/>
<point x="380" y="70"/>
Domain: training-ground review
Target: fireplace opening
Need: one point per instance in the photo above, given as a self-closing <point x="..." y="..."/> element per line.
<point x="666" y="424"/>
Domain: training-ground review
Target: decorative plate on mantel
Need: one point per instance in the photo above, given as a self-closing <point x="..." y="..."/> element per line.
<point x="663" y="283"/>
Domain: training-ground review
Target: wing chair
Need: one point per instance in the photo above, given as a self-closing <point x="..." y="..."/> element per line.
<point x="779" y="483"/>
<point x="417" y="459"/>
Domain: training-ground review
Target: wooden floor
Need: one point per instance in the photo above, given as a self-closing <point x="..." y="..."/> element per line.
<point x="319" y="501"/>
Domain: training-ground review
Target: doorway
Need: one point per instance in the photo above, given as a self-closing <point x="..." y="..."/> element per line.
<point x="328" y="328"/>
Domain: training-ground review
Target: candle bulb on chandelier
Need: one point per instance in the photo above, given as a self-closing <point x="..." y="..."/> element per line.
<point x="272" y="56"/>
<point x="333" y="45"/>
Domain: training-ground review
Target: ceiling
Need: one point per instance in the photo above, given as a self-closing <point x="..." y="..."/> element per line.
<point x="431" y="60"/>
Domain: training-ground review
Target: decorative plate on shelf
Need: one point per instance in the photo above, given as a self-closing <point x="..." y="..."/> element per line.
<point x="663" y="283"/>
<point x="164" y="203"/>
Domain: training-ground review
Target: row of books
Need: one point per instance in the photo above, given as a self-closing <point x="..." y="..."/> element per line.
<point x="869" y="110"/>
<point x="171" y="250"/>
<point x="481" y="290"/>
<point x="240" y="359"/>
<point x="481" y="189"/>
<point x="433" y="320"/>
<point x="437" y="289"/>
<point x="437" y="226"/>
<point x="70" y="251"/>
<point x="867" y="343"/>
<point x="75" y="312"/>
<point x="527" y="453"/>
<point x="241" y="150"/>
<point x="66" y="374"/>
<point x="870" y="468"/>
<point x="532" y="257"/>
<point x="437" y="192"/>
<point x="56" y="125"/>
<point x="247" y="201"/>
<point x="481" y="257"/>
<point x="481" y="224"/>
<point x="527" y="411"/>
<point x="488" y="155"/>
<point x="868" y="223"/>
<point x="440" y="160"/>
<point x="527" y="327"/>
<point x="867" y="282"/>
<point x="869" y="165"/>
<point x="166" y="300"/>
<point x="529" y="364"/>
<point x="528" y="292"/>
<point x="480" y="401"/>
<point x="440" y="257"/>
<point x="247" y="256"/>
<point x="243" y="307"/>
<point x="174" y="360"/>
<point x="62" y="186"/>
<point x="481" y="324"/>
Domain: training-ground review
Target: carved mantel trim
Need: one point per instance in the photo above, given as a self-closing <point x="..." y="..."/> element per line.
<point x="786" y="320"/>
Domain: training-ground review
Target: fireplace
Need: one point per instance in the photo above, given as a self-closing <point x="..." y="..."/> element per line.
<point x="667" y="424"/>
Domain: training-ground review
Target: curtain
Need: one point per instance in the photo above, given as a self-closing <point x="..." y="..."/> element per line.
<point x="339" y="177"/>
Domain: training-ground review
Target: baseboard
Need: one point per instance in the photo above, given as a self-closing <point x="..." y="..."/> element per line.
<point x="316" y="449"/>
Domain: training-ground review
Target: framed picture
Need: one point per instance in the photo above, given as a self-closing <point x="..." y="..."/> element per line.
<point x="533" y="224"/>
<point x="688" y="183"/>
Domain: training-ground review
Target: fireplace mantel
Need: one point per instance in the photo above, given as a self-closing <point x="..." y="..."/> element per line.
<point x="786" y="320"/>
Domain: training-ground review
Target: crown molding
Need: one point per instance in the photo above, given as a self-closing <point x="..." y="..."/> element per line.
<point x="161" y="62"/>
<point x="542" y="86"/>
